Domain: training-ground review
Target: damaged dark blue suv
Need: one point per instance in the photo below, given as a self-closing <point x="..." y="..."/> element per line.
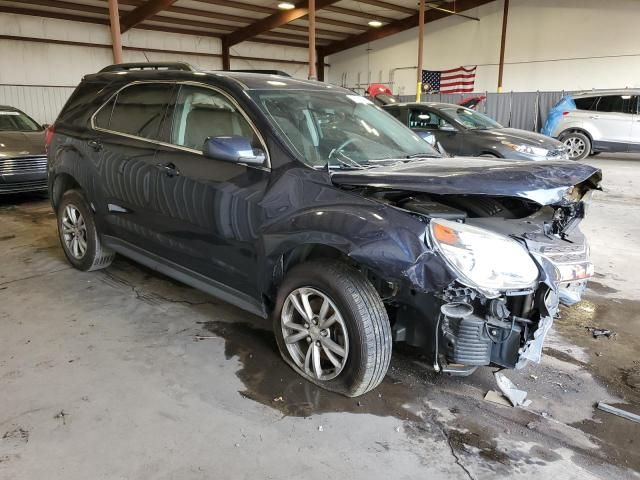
<point x="304" y="202"/>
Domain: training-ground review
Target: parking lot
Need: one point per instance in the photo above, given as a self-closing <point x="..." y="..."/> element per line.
<point x="124" y="373"/>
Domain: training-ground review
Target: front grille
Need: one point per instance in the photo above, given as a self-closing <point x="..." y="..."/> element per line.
<point x="19" y="165"/>
<point x="566" y="253"/>
<point x="17" y="187"/>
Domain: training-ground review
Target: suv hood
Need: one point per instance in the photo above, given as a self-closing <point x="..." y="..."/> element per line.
<point x="20" y="144"/>
<point x="522" y="137"/>
<point x="543" y="182"/>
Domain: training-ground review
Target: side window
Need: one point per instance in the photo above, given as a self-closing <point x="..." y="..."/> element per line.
<point x="136" y="110"/>
<point x="614" y="103"/>
<point x="200" y="113"/>
<point x="586" y="103"/>
<point x="425" y="119"/>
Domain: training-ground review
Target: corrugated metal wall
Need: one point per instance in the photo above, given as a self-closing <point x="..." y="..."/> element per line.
<point x="42" y="103"/>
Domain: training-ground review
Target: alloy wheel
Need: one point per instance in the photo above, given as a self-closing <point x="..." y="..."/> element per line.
<point x="74" y="231"/>
<point x="576" y="146"/>
<point x="315" y="333"/>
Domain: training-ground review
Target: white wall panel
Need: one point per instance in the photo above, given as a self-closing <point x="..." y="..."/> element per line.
<point x="551" y="45"/>
<point x="39" y="102"/>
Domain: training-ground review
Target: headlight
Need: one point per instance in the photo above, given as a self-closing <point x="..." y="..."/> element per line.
<point x="484" y="260"/>
<point x="528" y="149"/>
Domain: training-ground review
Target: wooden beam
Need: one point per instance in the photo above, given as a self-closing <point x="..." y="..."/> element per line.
<point x="503" y="41"/>
<point x="114" y="23"/>
<point x="321" y="65"/>
<point x="420" y="50"/>
<point x="144" y="12"/>
<point x="274" y="21"/>
<point x="397" y="27"/>
<point x="146" y="49"/>
<point x="226" y="60"/>
<point x="357" y="13"/>
<point x="389" y="6"/>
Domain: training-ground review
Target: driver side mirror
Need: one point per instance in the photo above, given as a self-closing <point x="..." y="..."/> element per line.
<point x="233" y="148"/>
<point x="447" y="127"/>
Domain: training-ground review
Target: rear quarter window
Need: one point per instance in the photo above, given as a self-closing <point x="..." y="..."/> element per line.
<point x="586" y="103"/>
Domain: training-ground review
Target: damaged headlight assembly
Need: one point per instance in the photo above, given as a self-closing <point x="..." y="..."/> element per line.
<point x="486" y="261"/>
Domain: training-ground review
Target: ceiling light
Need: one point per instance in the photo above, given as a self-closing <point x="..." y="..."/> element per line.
<point x="286" y="6"/>
<point x="375" y="23"/>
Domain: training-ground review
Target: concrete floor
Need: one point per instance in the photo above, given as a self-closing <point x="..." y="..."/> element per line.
<point x="125" y="374"/>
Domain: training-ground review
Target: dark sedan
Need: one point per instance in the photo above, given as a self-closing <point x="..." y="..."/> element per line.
<point x="23" y="159"/>
<point x="465" y="132"/>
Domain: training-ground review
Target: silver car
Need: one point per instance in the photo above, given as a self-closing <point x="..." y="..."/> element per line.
<point x="594" y="122"/>
<point x="23" y="158"/>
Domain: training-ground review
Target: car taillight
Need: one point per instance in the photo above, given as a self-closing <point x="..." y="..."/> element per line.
<point x="48" y="135"/>
<point x="564" y="114"/>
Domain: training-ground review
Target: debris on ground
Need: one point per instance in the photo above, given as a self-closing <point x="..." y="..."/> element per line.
<point x="61" y="415"/>
<point x="518" y="398"/>
<point x="320" y="428"/>
<point x="601" y="332"/>
<point x="278" y="399"/>
<point x="497" y="397"/>
<point x="18" y="434"/>
<point x="398" y="429"/>
<point x="534" y="377"/>
<point x="605" y="407"/>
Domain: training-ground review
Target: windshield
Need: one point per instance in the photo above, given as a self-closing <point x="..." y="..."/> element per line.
<point x="470" y="118"/>
<point x="16" y="121"/>
<point x="334" y="128"/>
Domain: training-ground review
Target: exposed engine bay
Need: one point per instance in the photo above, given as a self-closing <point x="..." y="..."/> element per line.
<point x="467" y="326"/>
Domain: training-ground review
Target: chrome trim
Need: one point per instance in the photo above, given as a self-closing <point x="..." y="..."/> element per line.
<point x="267" y="165"/>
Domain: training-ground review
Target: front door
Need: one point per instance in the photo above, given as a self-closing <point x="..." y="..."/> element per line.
<point x="613" y="120"/>
<point x="208" y="210"/>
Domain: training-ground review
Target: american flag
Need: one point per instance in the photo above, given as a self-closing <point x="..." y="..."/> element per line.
<point x="456" y="80"/>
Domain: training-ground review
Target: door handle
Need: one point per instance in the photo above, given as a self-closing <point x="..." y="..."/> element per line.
<point x="95" y="145"/>
<point x="169" y="169"/>
<point x="594" y="117"/>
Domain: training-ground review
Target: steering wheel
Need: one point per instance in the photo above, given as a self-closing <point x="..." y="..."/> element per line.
<point x="341" y="147"/>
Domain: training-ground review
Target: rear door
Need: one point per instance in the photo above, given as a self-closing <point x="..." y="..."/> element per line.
<point x="449" y="136"/>
<point x="125" y="139"/>
<point x="208" y="210"/>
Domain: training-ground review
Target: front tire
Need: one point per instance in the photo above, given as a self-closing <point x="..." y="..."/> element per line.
<point x="332" y="327"/>
<point x="578" y="144"/>
<point x="78" y="234"/>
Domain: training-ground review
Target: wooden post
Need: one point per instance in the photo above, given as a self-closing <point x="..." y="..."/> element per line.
<point x="116" y="39"/>
<point x="505" y="16"/>
<point x="420" y="50"/>
<point x="321" y="66"/>
<point x="226" y="58"/>
<point x="313" y="75"/>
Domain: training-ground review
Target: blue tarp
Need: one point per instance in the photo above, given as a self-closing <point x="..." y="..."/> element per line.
<point x="555" y="114"/>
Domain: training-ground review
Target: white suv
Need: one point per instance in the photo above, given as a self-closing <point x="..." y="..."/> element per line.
<point x="594" y="122"/>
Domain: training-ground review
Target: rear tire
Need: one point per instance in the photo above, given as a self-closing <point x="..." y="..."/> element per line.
<point x="349" y="355"/>
<point x="578" y="144"/>
<point x="78" y="234"/>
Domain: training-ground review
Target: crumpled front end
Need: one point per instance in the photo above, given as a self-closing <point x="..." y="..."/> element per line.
<point x="474" y="321"/>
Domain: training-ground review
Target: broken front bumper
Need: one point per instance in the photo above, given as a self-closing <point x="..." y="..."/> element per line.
<point x="510" y="331"/>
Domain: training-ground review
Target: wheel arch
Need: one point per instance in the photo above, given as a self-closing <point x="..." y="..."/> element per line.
<point x="576" y="130"/>
<point x="62" y="183"/>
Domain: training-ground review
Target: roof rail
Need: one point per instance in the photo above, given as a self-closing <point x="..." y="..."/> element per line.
<point x="125" y="67"/>
<point x="271" y="72"/>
